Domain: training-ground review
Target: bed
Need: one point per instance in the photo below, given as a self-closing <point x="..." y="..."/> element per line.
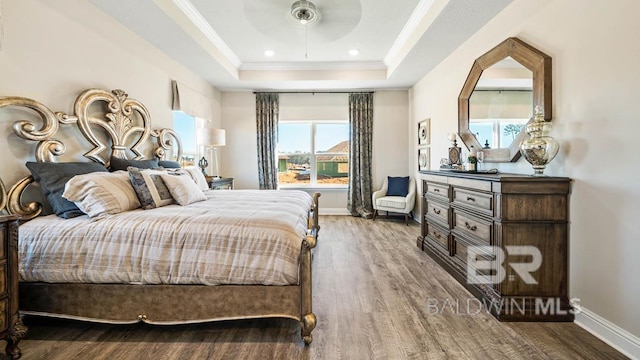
<point x="236" y="255"/>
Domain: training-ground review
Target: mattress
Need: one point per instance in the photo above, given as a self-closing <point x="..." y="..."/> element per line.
<point x="243" y="237"/>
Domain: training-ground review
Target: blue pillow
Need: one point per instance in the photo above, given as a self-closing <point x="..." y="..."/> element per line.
<point x="397" y="186"/>
<point x="116" y="164"/>
<point x="52" y="178"/>
<point x="168" y="164"/>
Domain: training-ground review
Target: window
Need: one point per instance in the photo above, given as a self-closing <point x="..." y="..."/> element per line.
<point x="185" y="125"/>
<point x="496" y="133"/>
<point x="314" y="153"/>
<point x="496" y="117"/>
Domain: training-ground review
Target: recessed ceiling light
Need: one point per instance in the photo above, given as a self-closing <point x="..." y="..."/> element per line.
<point x="354" y="52"/>
<point x="269" y="53"/>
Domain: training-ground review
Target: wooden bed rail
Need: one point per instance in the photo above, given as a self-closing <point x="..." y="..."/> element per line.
<point x="307" y="317"/>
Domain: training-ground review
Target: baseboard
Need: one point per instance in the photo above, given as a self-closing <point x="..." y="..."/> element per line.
<point x="333" y="211"/>
<point x="618" y="338"/>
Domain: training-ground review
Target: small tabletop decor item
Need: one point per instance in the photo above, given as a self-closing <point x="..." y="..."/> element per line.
<point x="473" y="160"/>
<point x="540" y="148"/>
<point x="455" y="152"/>
<point x="203" y="163"/>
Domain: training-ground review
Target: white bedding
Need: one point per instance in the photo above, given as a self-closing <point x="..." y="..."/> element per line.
<point x="234" y="237"/>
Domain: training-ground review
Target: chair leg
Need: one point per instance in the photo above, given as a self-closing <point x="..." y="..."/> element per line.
<point x="406" y="219"/>
<point x="375" y="213"/>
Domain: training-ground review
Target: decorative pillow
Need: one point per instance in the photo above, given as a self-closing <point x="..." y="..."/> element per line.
<point x="149" y="187"/>
<point x="183" y="189"/>
<point x="100" y="194"/>
<point x="167" y="164"/>
<point x="198" y="177"/>
<point x="116" y="164"/>
<point x="397" y="186"/>
<point x="52" y="178"/>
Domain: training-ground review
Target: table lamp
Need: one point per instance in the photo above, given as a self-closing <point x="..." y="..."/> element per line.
<point x="210" y="138"/>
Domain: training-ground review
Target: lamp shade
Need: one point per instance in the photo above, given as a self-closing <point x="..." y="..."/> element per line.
<point x="210" y="137"/>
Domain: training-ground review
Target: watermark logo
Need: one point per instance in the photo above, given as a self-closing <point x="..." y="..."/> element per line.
<point x="552" y="306"/>
<point x="485" y="264"/>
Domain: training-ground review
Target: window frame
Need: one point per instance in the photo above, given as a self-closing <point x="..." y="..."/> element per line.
<point x="313" y="163"/>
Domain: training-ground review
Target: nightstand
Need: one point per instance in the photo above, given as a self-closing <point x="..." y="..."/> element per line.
<point x="11" y="327"/>
<point x="220" y="183"/>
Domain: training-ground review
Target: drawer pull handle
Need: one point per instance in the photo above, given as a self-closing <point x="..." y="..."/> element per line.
<point x="470" y="227"/>
<point x="436" y="190"/>
<point x="436" y="235"/>
<point x="436" y="211"/>
<point x="469" y="198"/>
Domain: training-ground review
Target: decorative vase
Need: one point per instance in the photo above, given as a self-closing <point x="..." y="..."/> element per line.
<point x="539" y="149"/>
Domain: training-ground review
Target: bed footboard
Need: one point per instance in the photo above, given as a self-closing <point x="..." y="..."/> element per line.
<point x="307" y="317"/>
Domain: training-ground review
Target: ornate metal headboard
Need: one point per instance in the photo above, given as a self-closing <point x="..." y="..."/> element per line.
<point x="3" y="196"/>
<point x="125" y="121"/>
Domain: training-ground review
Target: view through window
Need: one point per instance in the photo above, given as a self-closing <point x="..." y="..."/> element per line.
<point x="496" y="133"/>
<point x="185" y="126"/>
<point x="313" y="153"/>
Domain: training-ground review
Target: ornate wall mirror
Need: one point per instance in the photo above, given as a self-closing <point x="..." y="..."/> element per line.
<point x="498" y="98"/>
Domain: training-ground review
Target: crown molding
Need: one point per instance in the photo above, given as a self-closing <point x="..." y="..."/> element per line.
<point x="409" y="29"/>
<point x="316" y="65"/>
<point x="199" y="21"/>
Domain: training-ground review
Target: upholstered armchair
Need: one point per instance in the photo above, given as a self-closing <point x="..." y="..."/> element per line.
<point x="393" y="202"/>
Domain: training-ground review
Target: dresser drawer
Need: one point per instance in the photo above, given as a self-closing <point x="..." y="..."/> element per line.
<point x="439" y="236"/>
<point x="470" y="184"/>
<point x="438" y="212"/>
<point x="478" y="201"/>
<point x="460" y="250"/>
<point x="440" y="191"/>
<point x="478" y="229"/>
<point x="461" y="253"/>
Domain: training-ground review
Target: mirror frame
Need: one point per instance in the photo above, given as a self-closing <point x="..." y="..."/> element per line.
<point x="531" y="58"/>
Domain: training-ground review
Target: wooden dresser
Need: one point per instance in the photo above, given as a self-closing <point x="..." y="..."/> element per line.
<point x="490" y="231"/>
<point x="11" y="327"/>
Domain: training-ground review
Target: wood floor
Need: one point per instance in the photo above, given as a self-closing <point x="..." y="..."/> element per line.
<point x="371" y="291"/>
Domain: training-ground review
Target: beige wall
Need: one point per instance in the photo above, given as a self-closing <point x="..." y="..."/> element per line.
<point x="390" y="134"/>
<point x="53" y="51"/>
<point x="595" y="116"/>
<point x="239" y="157"/>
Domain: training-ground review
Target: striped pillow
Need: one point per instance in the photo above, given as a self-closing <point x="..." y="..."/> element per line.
<point x="198" y="177"/>
<point x="182" y="188"/>
<point x="101" y="194"/>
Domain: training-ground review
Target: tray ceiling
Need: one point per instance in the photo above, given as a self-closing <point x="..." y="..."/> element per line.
<point x="224" y="41"/>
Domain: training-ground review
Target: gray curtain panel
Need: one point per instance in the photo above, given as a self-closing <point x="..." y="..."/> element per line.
<point x="361" y="130"/>
<point x="267" y="109"/>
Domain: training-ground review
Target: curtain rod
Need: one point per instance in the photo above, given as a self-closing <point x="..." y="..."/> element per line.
<point x="315" y="92"/>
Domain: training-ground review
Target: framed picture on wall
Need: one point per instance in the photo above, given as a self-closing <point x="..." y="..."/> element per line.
<point x="424" y="132"/>
<point x="423" y="158"/>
